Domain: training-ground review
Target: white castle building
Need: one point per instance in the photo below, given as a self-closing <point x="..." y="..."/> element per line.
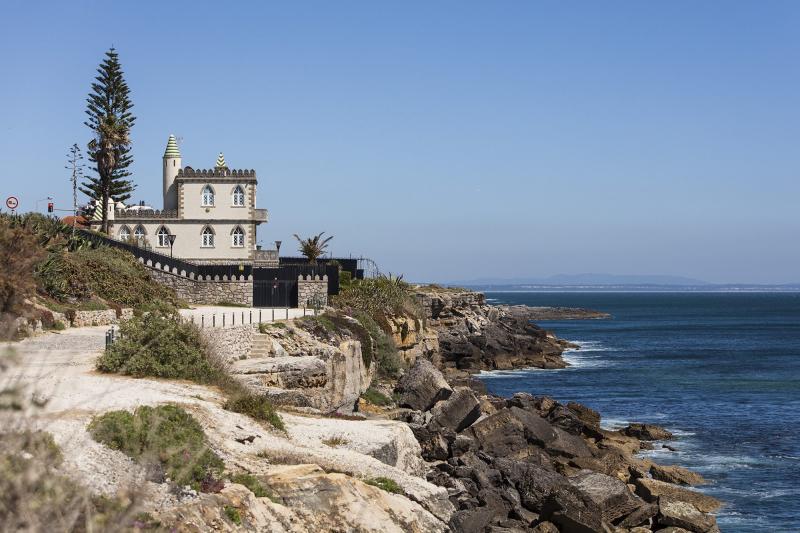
<point x="209" y="215"/>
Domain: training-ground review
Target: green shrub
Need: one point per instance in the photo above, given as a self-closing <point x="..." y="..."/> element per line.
<point x="233" y="515"/>
<point x="376" y="397"/>
<point x="165" y="435"/>
<point x="252" y="483"/>
<point x="256" y="406"/>
<point x="265" y="327"/>
<point x="111" y="274"/>
<point x="59" y="325"/>
<point x="384" y="483"/>
<point x="157" y="343"/>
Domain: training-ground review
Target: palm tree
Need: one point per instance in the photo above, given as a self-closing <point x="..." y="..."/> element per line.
<point x="112" y="137"/>
<point x="313" y="247"/>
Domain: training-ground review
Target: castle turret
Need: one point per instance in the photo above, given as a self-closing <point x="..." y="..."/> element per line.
<point x="172" y="163"/>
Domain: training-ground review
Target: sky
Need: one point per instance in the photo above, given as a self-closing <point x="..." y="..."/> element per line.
<point x="447" y="140"/>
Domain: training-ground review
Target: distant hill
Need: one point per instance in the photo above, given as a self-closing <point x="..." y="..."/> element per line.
<point x="590" y="279"/>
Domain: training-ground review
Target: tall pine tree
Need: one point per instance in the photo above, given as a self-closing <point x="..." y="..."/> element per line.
<point x="110" y="119"/>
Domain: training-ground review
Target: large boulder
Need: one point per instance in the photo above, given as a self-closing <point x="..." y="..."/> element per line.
<point x="500" y="434"/>
<point x="652" y="490"/>
<point x="534" y="483"/>
<point x="677" y="475"/>
<point x="611" y="495"/>
<point x="587" y="415"/>
<point x="457" y="412"/>
<point x="646" y="432"/>
<point x="573" y="512"/>
<point x="422" y="386"/>
<point x="684" y="515"/>
<point x="553" y="439"/>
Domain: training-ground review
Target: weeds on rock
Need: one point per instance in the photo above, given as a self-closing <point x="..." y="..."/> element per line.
<point x="252" y="483"/>
<point x="165" y="436"/>
<point x="376" y="397"/>
<point x="233" y="515"/>
<point x="335" y="441"/>
<point x="384" y="483"/>
<point x="256" y="406"/>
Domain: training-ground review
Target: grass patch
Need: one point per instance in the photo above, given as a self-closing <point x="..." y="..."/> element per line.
<point x="265" y="327"/>
<point x="233" y="515"/>
<point x="256" y="406"/>
<point x="384" y="483"/>
<point x="165" y="436"/>
<point x="376" y="397"/>
<point x="252" y="483"/>
<point x="226" y="303"/>
<point x="336" y="440"/>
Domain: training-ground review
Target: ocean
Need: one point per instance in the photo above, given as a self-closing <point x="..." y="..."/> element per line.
<point x="719" y="370"/>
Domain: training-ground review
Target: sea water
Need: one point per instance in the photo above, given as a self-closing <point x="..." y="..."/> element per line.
<point x="719" y="370"/>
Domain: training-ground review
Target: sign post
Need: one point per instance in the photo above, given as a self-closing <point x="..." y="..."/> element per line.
<point x="171" y="242"/>
<point x="12" y="203"/>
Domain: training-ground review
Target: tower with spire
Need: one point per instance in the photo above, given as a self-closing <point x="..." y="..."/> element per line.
<point x="172" y="164"/>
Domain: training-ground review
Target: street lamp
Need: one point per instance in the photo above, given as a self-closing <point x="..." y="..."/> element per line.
<point x="171" y="242"/>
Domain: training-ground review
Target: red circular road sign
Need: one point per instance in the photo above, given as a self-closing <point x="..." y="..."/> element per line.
<point x="12" y="202"/>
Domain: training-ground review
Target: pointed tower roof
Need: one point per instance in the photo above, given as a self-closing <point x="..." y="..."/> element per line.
<point x="221" y="161"/>
<point x="172" y="148"/>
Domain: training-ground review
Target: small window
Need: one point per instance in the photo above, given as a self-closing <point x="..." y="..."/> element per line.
<point x="124" y="233"/>
<point x="163" y="237"/>
<point x="208" y="196"/>
<point x="238" y="196"/>
<point x="238" y="238"/>
<point x="208" y="237"/>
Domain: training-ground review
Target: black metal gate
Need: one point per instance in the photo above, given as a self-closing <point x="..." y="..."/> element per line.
<point x="275" y="293"/>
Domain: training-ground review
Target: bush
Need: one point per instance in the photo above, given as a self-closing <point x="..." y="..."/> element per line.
<point x="59" y="326"/>
<point x="19" y="253"/>
<point x="157" y="343"/>
<point x="166" y="436"/>
<point x="252" y="483"/>
<point x="376" y="397"/>
<point x="384" y="483"/>
<point x="256" y="406"/>
<point x="107" y="273"/>
<point x="265" y="327"/>
<point x="233" y="515"/>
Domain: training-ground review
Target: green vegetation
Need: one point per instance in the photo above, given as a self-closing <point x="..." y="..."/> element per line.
<point x="313" y="247"/>
<point x="59" y="326"/>
<point x="226" y="303"/>
<point x="233" y="515"/>
<point x="376" y="397"/>
<point x="110" y="119"/>
<point x="165" y="435"/>
<point x="111" y="274"/>
<point x="157" y="343"/>
<point x="265" y="327"/>
<point x="256" y="406"/>
<point x="252" y="483"/>
<point x="384" y="483"/>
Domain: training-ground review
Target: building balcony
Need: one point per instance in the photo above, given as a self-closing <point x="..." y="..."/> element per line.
<point x="266" y="258"/>
<point x="260" y="215"/>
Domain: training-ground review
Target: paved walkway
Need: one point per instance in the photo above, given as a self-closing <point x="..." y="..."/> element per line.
<point x="217" y="316"/>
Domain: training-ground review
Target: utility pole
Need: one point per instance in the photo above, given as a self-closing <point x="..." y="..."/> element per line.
<point x="74" y="164"/>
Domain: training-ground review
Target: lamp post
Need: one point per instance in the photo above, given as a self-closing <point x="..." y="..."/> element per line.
<point x="171" y="242"/>
<point x="278" y="247"/>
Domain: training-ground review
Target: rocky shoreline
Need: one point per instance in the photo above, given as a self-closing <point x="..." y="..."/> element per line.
<point x="529" y="463"/>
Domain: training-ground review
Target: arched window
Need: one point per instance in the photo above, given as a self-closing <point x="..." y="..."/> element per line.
<point x="207" y="196"/>
<point x="139" y="233"/>
<point x="238" y="196"/>
<point x="207" y="237"/>
<point x="163" y="237"/>
<point x="237" y="237"/>
<point x="124" y="233"/>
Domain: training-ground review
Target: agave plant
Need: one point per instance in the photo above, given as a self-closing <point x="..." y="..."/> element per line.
<point x="313" y="247"/>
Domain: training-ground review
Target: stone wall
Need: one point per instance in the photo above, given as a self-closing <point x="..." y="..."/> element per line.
<point x="231" y="343"/>
<point x="209" y="292"/>
<point x="312" y="291"/>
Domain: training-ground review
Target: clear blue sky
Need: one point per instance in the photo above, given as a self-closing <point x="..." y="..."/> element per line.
<point x="448" y="140"/>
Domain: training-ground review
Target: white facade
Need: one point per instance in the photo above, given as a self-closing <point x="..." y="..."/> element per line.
<point x="212" y="213"/>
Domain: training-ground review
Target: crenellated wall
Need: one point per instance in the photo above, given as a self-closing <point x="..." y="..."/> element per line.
<point x="312" y="291"/>
<point x="206" y="291"/>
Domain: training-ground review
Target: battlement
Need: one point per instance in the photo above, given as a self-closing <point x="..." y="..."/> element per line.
<point x="315" y="277"/>
<point x="123" y="214"/>
<point x="224" y="172"/>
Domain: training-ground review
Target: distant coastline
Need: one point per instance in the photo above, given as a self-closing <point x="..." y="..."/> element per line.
<point x="791" y="288"/>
